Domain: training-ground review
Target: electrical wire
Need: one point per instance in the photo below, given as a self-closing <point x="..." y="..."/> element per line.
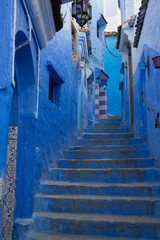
<point x="109" y="49"/>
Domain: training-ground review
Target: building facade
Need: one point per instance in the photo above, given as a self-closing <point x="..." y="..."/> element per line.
<point x="47" y="97"/>
<point x="138" y="42"/>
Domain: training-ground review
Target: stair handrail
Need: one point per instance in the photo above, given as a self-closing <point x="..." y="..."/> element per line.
<point x="157" y="122"/>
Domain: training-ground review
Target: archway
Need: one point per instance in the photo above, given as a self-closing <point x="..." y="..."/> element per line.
<point x="23" y="116"/>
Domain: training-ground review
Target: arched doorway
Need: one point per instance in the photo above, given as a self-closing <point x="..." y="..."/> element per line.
<point x="22" y="119"/>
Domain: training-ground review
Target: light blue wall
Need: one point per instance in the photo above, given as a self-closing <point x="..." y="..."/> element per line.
<point x="112" y="66"/>
<point x="125" y="102"/>
<point x="150" y="82"/>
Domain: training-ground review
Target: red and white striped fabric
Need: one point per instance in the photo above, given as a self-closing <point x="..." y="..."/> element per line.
<point x="102" y="103"/>
<point x="97" y="100"/>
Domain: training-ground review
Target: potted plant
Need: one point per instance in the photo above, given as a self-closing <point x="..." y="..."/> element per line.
<point x="156" y="61"/>
<point x="142" y="66"/>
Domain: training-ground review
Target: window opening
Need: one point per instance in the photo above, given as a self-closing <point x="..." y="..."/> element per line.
<point x="97" y="30"/>
<point x="54" y="92"/>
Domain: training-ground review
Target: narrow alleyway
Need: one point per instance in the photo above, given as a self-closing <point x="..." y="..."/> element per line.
<point x="106" y="187"/>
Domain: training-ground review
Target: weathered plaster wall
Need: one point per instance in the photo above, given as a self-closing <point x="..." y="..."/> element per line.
<point x="6" y="63"/>
<point x="149" y="83"/>
<point x="150" y="31"/>
<point x="57" y="126"/>
<point x="129" y="8"/>
<point x="97" y="57"/>
<point x="112" y="66"/>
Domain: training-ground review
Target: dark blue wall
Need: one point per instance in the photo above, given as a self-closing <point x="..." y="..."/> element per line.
<point x="57" y="126"/>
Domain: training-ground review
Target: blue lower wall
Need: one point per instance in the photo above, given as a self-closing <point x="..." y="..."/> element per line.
<point x="112" y="66"/>
<point x="57" y="126"/>
<point x="144" y="122"/>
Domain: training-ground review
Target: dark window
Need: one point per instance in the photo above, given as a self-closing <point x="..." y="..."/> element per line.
<point x="50" y="91"/>
<point x="97" y="30"/>
<point x="54" y="92"/>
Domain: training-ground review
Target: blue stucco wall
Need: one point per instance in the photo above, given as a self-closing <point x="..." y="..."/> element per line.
<point x="57" y="126"/>
<point x="149" y="82"/>
<point x="6" y="60"/>
<point x="112" y="66"/>
<point x="44" y="130"/>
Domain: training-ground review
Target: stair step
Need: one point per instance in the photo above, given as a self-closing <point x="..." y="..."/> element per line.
<point x="135" y="206"/>
<point x="114" y="141"/>
<point x="106" y="130"/>
<point x="101" y="189"/>
<point x="107" y="147"/>
<point x="103" y="154"/>
<point x="106" y="163"/>
<point x="107" y="124"/>
<point x="109" y="119"/>
<point x="51" y="236"/>
<point x="109" y="175"/>
<point x="107" y="135"/>
<point x="98" y="225"/>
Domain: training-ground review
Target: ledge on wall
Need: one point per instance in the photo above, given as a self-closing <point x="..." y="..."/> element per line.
<point x="46" y="19"/>
<point x="57" y="78"/>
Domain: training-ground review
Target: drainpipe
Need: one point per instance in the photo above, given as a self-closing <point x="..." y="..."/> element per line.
<point x="80" y="81"/>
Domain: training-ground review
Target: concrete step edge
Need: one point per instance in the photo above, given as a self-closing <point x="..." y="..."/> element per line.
<point x="116" y="146"/>
<point x="109" y="150"/>
<point x="104" y="169"/>
<point x="106" y="159"/>
<point x="98" y="218"/>
<point x="97" y="185"/>
<point x="113" y="139"/>
<point x="50" y="236"/>
<point x="97" y="197"/>
<point x="108" y="134"/>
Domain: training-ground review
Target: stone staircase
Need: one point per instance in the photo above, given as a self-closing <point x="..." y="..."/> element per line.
<point x="106" y="187"/>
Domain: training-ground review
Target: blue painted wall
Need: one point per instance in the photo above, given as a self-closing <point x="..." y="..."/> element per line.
<point x="112" y="66"/>
<point x="125" y="97"/>
<point x="57" y="126"/>
<point x="44" y="129"/>
<point x="6" y="59"/>
<point x="149" y="82"/>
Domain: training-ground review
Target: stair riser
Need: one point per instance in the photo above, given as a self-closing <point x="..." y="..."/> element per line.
<point x="106" y="154"/>
<point x="105" y="130"/>
<point x="108" y="176"/>
<point x="108" y="136"/>
<point x="118" y="207"/>
<point x="111" y="229"/>
<point x="101" y="191"/>
<point x="106" y="164"/>
<point x="111" y="120"/>
<point x="111" y="147"/>
<point x="107" y="125"/>
<point x="108" y="142"/>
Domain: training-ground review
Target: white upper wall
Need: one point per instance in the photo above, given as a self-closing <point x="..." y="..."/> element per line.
<point x="150" y="31"/>
<point x="129" y="8"/>
<point x="97" y="58"/>
<point x="112" y="15"/>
